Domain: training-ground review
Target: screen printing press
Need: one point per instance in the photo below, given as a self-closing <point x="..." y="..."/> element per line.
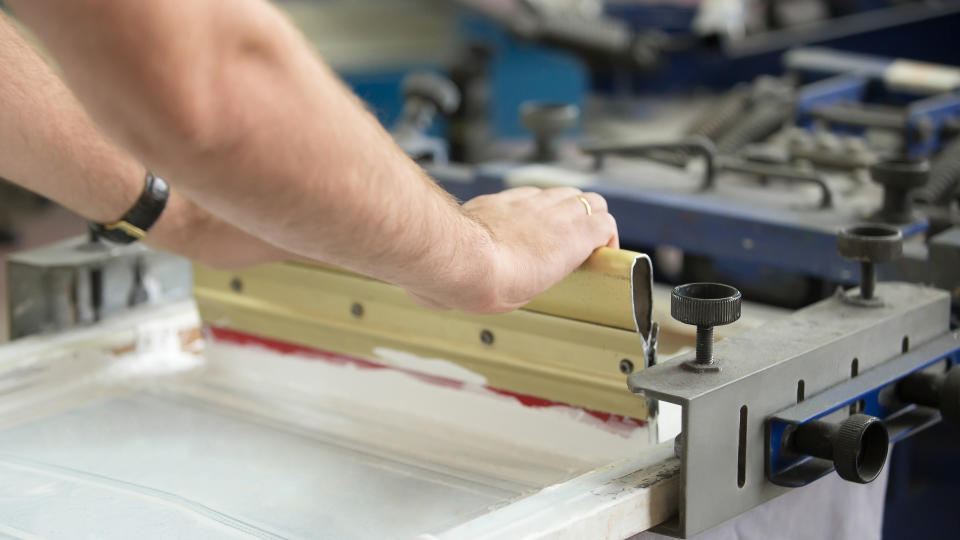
<point x="299" y="401"/>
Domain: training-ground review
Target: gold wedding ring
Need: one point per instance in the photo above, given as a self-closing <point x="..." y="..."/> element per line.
<point x="586" y="204"/>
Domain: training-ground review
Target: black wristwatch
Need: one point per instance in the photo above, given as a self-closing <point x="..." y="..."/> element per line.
<point x="146" y="211"/>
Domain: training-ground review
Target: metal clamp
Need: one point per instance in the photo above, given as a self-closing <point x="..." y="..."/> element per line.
<point x="675" y="154"/>
<point x="861" y="459"/>
<point x="724" y="454"/>
<point x="672" y="153"/>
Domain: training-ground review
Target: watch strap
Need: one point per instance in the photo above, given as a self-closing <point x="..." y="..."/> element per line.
<point x="133" y="226"/>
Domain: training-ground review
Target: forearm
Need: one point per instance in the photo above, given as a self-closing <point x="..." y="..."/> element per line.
<point x="50" y="146"/>
<point x="240" y="114"/>
<point x="190" y="231"/>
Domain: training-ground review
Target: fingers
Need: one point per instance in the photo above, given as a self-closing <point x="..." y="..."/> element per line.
<point x="597" y="203"/>
<point x="614" y="241"/>
<point x="575" y="204"/>
<point x="600" y="227"/>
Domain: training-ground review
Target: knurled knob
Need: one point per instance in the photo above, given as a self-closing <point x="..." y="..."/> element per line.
<point x="873" y="243"/>
<point x="870" y="244"/>
<point x="705" y="304"/>
<point x="547" y="121"/>
<point x="899" y="177"/>
<point x="901" y="173"/>
<point x="860" y="448"/>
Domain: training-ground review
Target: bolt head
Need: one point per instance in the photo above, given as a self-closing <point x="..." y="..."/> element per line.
<point x="860" y="448"/>
<point x="901" y="173"/>
<point x="874" y="243"/>
<point x="705" y="304"/>
<point x="548" y="118"/>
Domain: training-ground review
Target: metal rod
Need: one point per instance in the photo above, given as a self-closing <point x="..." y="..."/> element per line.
<point x="868" y="280"/>
<point x="705" y="345"/>
<point x="815" y="438"/>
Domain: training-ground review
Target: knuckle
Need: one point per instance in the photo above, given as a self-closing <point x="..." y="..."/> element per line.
<point x="610" y="221"/>
<point x="524" y="189"/>
<point x="563" y="191"/>
<point x="480" y="199"/>
<point x="487" y="302"/>
<point x="597" y="201"/>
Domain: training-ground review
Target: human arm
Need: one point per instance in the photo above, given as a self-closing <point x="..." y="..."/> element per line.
<point x="50" y="146"/>
<point x="226" y="99"/>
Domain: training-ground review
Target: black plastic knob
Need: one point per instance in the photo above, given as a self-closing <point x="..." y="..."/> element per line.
<point x="857" y="446"/>
<point x="547" y="121"/>
<point x="705" y="305"/>
<point x="899" y="177"/>
<point x="937" y="390"/>
<point x="870" y="244"/>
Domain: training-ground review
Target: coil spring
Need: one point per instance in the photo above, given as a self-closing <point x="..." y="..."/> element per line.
<point x="763" y="120"/>
<point x="944" y="176"/>
<point x="712" y="123"/>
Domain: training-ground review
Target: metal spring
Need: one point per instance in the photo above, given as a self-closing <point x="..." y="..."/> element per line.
<point x="718" y="118"/>
<point x="763" y="120"/>
<point x="944" y="176"/>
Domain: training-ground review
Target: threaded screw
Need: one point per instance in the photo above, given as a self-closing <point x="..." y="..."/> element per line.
<point x="705" y="305"/>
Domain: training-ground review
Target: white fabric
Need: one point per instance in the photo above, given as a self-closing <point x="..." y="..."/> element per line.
<point x="828" y="509"/>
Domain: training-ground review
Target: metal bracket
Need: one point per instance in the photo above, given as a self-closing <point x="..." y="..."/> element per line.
<point x="78" y="282"/>
<point x="865" y="393"/>
<point x="725" y="414"/>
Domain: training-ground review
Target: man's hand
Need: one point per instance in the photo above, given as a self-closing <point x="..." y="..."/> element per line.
<point x="228" y="102"/>
<point x="537" y="237"/>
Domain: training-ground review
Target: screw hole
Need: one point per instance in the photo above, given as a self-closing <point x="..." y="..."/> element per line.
<point x="356" y="310"/>
<point x="905" y="345"/>
<point x="854" y="371"/>
<point x="858" y="407"/>
<point x="742" y="449"/>
<point x="486" y="337"/>
<point x="236" y="285"/>
<point x="626" y="366"/>
<point x="800" y="390"/>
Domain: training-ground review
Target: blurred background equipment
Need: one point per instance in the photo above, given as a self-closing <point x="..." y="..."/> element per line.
<point x="733" y="141"/>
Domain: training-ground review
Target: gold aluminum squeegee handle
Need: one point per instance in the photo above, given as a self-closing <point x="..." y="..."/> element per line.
<point x="566" y="346"/>
<point x="612" y="288"/>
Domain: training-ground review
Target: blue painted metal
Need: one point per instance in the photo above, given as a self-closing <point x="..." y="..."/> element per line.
<point x="522" y="72"/>
<point x="839" y="89"/>
<point x="925" y="121"/>
<point x="703" y="224"/>
<point x="666" y="17"/>
<point x="870" y="403"/>
<point x="925" y="118"/>
<point x="381" y="89"/>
